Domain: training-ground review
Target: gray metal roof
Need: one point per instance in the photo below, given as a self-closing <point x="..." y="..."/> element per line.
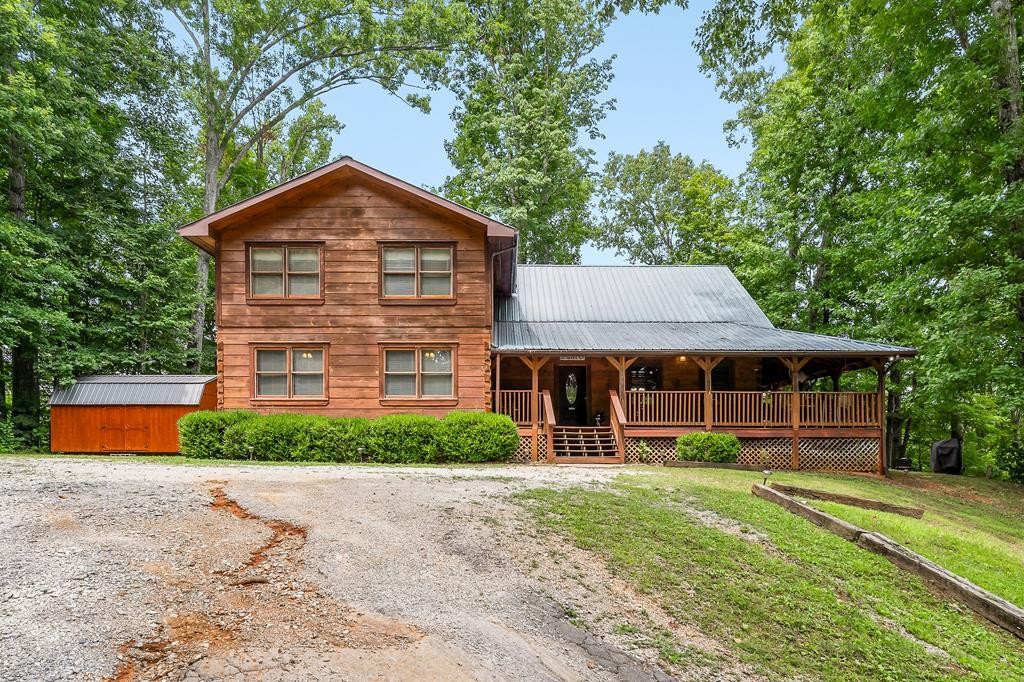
<point x="151" y="389"/>
<point x="664" y="309"/>
<point x="634" y="293"/>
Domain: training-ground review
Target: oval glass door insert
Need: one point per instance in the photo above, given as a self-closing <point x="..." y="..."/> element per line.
<point x="571" y="388"/>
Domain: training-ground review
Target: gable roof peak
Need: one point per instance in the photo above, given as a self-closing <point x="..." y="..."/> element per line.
<point x="201" y="232"/>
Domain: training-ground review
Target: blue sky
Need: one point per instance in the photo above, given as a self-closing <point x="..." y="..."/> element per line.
<point x="660" y="94"/>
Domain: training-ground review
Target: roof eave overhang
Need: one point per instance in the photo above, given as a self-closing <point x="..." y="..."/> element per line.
<point x="204" y="242"/>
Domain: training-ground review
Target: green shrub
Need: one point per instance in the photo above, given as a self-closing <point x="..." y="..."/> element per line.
<point x="8" y="440"/>
<point x="476" y="437"/>
<point x="392" y="439"/>
<point x="272" y="437"/>
<point x="708" y="447"/>
<point x="333" y="440"/>
<point x="201" y="434"/>
<point x="1010" y="459"/>
<point x="402" y="438"/>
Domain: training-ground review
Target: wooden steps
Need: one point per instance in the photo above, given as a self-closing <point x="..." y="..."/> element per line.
<point x="586" y="444"/>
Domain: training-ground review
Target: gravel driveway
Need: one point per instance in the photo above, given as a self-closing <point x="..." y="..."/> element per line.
<point x="124" y="570"/>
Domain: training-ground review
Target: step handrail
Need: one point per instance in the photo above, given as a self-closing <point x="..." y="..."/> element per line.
<point x="618" y="420"/>
<point x="549" y="423"/>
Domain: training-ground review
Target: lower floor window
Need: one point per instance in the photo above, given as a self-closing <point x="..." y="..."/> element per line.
<point x="418" y="373"/>
<point x="645" y="378"/>
<point x="291" y="372"/>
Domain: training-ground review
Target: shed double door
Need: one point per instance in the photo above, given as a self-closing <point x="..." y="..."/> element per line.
<point x="125" y="429"/>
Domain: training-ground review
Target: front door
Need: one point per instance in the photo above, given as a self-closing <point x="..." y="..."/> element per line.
<point x="572" y="395"/>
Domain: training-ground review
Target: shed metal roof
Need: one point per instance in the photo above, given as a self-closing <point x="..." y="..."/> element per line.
<point x="664" y="309"/>
<point x="150" y="389"/>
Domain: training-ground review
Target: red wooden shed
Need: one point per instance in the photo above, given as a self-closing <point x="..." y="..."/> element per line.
<point x="126" y="413"/>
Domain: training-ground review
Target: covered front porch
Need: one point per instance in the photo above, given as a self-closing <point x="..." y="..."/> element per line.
<point x="789" y="411"/>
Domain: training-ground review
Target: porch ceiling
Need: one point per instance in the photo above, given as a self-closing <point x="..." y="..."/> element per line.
<point x="727" y="338"/>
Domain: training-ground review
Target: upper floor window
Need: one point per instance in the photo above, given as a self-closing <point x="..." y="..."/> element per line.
<point x="286" y="271"/>
<point x="290" y="372"/>
<point x="417" y="271"/>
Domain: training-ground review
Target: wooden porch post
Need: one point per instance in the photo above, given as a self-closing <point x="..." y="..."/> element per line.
<point x="708" y="364"/>
<point x="534" y="364"/>
<point x="880" y="370"/>
<point x="622" y="364"/>
<point x="795" y="365"/>
<point x="497" y="384"/>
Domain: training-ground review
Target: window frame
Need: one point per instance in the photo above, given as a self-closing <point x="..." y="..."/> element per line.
<point x="284" y="298"/>
<point x="419" y="398"/>
<point x="417" y="298"/>
<point x="658" y="376"/>
<point x="289" y="349"/>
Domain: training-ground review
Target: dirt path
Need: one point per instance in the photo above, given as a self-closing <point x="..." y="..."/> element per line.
<point x="126" y="571"/>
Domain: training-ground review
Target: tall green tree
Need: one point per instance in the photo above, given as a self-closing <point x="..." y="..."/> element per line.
<point x="251" y="64"/>
<point x="85" y="123"/>
<point x="660" y="208"/>
<point x="530" y="95"/>
<point x="895" y="132"/>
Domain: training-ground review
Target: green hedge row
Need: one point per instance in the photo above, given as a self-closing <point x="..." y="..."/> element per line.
<point x="393" y="439"/>
<point x="704" y="446"/>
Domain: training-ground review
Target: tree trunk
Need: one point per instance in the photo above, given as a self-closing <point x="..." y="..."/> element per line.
<point x="25" y="390"/>
<point x="956" y="428"/>
<point x="3" y="386"/>
<point x="1010" y="112"/>
<point x="212" y="158"/>
<point x="24" y="382"/>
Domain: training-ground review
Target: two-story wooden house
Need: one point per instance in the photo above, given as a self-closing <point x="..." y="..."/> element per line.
<point x="347" y="291"/>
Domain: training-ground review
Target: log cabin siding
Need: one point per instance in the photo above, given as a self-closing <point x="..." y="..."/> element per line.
<point x="351" y="219"/>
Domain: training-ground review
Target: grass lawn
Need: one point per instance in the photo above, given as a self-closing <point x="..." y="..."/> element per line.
<point x="974" y="527"/>
<point x="786" y="597"/>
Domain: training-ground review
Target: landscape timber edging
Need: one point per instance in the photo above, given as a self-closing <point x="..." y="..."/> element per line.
<point x="1003" y="613"/>
<point x="688" y="464"/>
<point x="863" y="503"/>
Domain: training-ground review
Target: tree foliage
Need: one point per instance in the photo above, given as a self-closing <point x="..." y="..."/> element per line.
<point x="87" y="156"/>
<point x="529" y="95"/>
<point x="658" y="208"/>
<point x="884" y="197"/>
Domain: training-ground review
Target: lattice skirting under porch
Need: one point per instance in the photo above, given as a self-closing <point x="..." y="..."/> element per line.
<point x="774" y="453"/>
<point x="523" y="451"/>
<point x="839" y="454"/>
<point x="650" y="450"/>
<point x="833" y="454"/>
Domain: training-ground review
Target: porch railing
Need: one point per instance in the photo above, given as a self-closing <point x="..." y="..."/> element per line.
<point x="516" y="404"/>
<point x="839" y="409"/>
<point x="733" y="409"/>
<point x="752" y="408"/>
<point x="664" y="408"/>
